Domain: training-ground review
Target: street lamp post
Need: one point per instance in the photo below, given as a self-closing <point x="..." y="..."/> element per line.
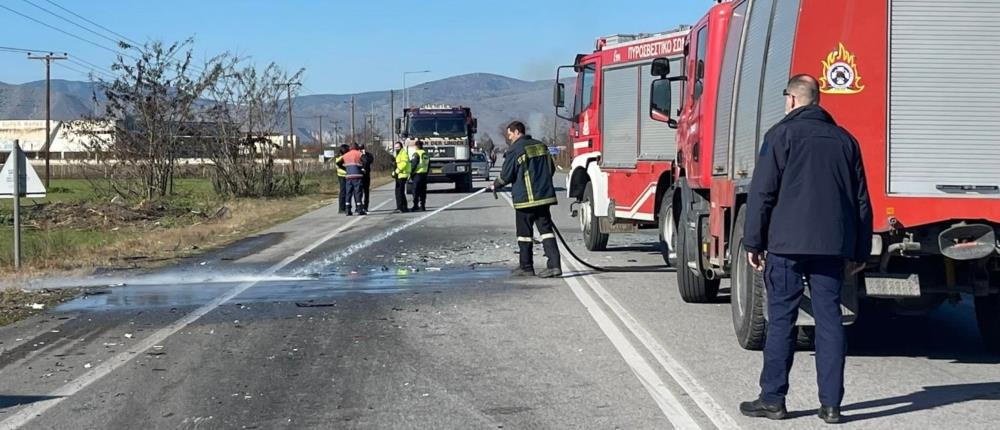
<point x="406" y="93"/>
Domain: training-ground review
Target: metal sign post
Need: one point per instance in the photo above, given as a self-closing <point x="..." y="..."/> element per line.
<point x="17" y="179"/>
<point x="15" y="157"/>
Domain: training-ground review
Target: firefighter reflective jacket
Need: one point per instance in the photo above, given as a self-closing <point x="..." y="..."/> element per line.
<point x="352" y="164"/>
<point x="528" y="168"/>
<point x="402" y="164"/>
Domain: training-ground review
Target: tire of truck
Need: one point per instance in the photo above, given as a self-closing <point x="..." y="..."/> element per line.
<point x="694" y="288"/>
<point x="590" y="224"/>
<point x="747" y="294"/>
<point x="805" y="338"/>
<point x="988" y="319"/>
<point x="668" y="232"/>
<point x="464" y="185"/>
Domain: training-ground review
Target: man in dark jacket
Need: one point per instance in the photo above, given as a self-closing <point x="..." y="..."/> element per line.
<point x="809" y="209"/>
<point x="528" y="168"/>
<point x="420" y="163"/>
<point x="367" y="160"/>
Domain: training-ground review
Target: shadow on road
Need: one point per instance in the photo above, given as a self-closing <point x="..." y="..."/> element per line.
<point x="10" y="401"/>
<point x="929" y="398"/>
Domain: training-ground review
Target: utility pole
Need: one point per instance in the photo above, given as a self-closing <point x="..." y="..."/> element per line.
<point x="320" y="118"/>
<point x="352" y="119"/>
<point x="291" y="130"/>
<point x="48" y="59"/>
<point x="392" y="108"/>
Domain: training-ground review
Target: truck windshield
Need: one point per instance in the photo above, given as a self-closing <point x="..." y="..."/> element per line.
<point x="437" y="127"/>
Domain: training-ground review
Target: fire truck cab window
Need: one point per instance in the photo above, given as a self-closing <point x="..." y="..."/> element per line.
<point x="437" y="127"/>
<point x="586" y="90"/>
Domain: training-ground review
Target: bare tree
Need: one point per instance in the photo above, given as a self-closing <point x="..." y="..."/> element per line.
<point x="246" y="113"/>
<point x="149" y="109"/>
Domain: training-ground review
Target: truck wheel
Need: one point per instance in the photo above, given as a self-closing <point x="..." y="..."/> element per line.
<point x="590" y="224"/>
<point x="693" y="286"/>
<point x="988" y="317"/>
<point x="668" y="232"/>
<point x="747" y="294"/>
<point x="805" y="338"/>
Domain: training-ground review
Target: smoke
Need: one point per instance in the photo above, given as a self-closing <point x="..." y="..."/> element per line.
<point x="536" y="125"/>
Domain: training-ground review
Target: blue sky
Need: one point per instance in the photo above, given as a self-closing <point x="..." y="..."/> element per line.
<point x="346" y="46"/>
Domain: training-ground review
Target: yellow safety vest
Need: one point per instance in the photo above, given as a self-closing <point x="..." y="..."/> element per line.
<point x="425" y="162"/>
<point x="341" y="172"/>
<point x="402" y="164"/>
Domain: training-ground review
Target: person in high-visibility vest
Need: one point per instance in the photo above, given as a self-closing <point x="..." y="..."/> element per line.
<point x="401" y="174"/>
<point x="355" y="176"/>
<point x="342" y="177"/>
<point x="421" y="166"/>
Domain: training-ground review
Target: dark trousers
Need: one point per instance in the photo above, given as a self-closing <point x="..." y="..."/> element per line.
<point x="366" y="188"/>
<point x="401" y="195"/>
<point x="420" y="191"/>
<point x="354" y="192"/>
<point x="527" y="218"/>
<point x="785" y="277"/>
<point x="343" y="193"/>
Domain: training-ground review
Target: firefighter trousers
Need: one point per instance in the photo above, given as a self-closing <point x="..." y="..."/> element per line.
<point x="525" y="221"/>
<point x="401" y="195"/>
<point x="343" y="193"/>
<point x="420" y="191"/>
<point x="785" y="278"/>
<point x="366" y="188"/>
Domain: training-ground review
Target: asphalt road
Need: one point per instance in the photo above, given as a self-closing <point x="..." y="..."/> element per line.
<point x="411" y="321"/>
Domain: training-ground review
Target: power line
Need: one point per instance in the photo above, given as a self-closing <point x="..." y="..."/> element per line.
<point x="25" y="50"/>
<point x="88" y="66"/>
<point x="67" y="33"/>
<point x="93" y="23"/>
<point x="72" y="22"/>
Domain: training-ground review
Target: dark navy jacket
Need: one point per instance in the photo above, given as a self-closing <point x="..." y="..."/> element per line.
<point x="808" y="195"/>
<point x="528" y="167"/>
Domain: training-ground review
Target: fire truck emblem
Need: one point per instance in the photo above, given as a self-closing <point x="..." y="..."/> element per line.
<point x="840" y="73"/>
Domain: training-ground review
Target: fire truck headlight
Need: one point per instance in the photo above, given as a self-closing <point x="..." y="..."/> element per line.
<point x="461" y="168"/>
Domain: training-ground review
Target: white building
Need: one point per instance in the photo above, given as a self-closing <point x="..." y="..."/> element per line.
<point x="68" y="140"/>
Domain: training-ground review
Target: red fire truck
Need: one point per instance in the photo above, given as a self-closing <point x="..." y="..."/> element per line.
<point x="913" y="80"/>
<point x="622" y="158"/>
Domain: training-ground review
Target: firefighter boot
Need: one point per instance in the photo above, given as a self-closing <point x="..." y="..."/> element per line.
<point x="526" y="266"/>
<point x="554" y="266"/>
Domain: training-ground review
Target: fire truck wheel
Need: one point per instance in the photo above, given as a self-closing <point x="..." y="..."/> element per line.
<point x="668" y="232"/>
<point x="590" y="223"/>
<point x="747" y="294"/>
<point x="693" y="286"/>
<point x="988" y="317"/>
<point x="805" y="338"/>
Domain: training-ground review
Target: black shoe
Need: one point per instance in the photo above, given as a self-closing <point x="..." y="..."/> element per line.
<point x="340" y="211"/>
<point x="414" y="209"/>
<point x="521" y="272"/>
<point x="423" y="209"/>
<point x="550" y="273"/>
<point x="830" y="414"/>
<point x="362" y="212"/>
<point x="397" y="211"/>
<point x="758" y="408"/>
<point x="349" y="213"/>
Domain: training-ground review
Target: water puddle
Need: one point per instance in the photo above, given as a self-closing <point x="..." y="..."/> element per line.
<point x="381" y="280"/>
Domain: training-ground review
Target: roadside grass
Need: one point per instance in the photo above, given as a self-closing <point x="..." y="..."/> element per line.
<point x="191" y="222"/>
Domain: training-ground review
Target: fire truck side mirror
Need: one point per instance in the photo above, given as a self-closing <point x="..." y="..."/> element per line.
<point x="399" y="125"/>
<point x="660" y="68"/>
<point x="659" y="101"/>
<point x="559" y="95"/>
<point x="475" y="126"/>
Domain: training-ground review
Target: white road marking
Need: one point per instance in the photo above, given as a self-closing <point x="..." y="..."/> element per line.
<point x="715" y="412"/>
<point x="669" y="404"/>
<point x="677" y="371"/>
<point x="26" y="414"/>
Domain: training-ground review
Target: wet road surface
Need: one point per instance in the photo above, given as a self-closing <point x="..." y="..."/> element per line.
<point x="411" y="321"/>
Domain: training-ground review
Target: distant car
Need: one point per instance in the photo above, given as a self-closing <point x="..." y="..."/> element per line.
<point x="480" y="166"/>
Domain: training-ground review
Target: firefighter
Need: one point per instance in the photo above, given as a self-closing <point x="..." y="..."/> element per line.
<point x="401" y="173"/>
<point x="367" y="160"/>
<point x="528" y="168"/>
<point x="421" y="166"/>
<point x="809" y="209"/>
<point x="341" y="177"/>
<point x="352" y="164"/>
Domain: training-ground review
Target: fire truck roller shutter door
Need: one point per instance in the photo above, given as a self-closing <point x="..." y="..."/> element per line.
<point x="727" y="87"/>
<point x="943" y="94"/>
<point x="777" y="68"/>
<point x="748" y="95"/>
<point x="620" y="116"/>
<point x="657" y="141"/>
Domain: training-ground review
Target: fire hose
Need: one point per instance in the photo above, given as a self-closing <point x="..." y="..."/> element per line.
<point x="638" y="269"/>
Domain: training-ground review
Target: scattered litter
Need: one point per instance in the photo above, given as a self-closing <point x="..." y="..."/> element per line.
<point x="433" y="269"/>
<point x="54" y="331"/>
<point x="203" y="263"/>
<point x="314" y="305"/>
<point x="128" y="335"/>
<point x="107" y="344"/>
<point x="37" y="306"/>
<point x="87" y="366"/>
<point x="157" y="346"/>
<point x="425" y="395"/>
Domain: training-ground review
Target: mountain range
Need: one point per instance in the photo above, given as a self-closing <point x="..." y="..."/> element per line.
<point x="494" y="100"/>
